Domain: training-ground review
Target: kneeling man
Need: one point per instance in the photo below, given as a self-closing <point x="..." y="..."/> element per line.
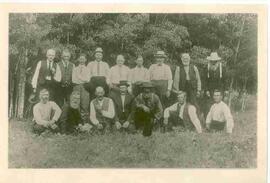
<point x="122" y="103"/>
<point x="102" y="110"/>
<point x="182" y="113"/>
<point x="219" y="116"/>
<point x="46" y="114"/>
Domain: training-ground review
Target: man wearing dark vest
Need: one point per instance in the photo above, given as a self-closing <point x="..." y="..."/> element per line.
<point x="102" y="111"/>
<point x="123" y="103"/>
<point x="146" y="110"/>
<point x="46" y="75"/>
<point x="183" y="114"/>
<point x="65" y="87"/>
<point x="187" y="78"/>
<point x="99" y="71"/>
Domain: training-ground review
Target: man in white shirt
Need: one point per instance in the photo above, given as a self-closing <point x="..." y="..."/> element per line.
<point x="80" y="77"/>
<point x="138" y="75"/>
<point x="118" y="72"/>
<point x="219" y="116"/>
<point x="182" y="113"/>
<point x="161" y="77"/>
<point x="46" y="114"/>
<point x="102" y="111"/>
<point x="99" y="73"/>
<point x="46" y="75"/>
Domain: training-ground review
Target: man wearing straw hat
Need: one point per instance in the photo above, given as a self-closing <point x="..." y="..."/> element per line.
<point x="99" y="73"/>
<point x="161" y="77"/>
<point x="215" y="74"/>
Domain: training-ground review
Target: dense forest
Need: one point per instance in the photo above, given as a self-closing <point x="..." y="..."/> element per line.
<point x="233" y="36"/>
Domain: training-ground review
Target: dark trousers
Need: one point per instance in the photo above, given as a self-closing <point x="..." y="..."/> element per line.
<point x="144" y="121"/>
<point x="38" y="129"/>
<point x="217" y="126"/>
<point x="63" y="94"/>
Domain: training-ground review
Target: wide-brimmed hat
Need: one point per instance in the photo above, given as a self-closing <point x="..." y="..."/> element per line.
<point x="33" y="98"/>
<point x="123" y="83"/>
<point x="98" y="50"/>
<point x="147" y="85"/>
<point x="160" y="54"/>
<point x="213" y="57"/>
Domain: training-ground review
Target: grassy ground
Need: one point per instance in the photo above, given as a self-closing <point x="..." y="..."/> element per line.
<point x="174" y="149"/>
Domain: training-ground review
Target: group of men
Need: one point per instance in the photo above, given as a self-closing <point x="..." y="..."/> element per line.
<point x="95" y="97"/>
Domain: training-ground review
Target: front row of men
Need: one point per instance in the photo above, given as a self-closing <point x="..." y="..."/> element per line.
<point x="120" y="111"/>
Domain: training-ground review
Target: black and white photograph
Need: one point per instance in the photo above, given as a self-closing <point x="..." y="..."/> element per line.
<point x="132" y="90"/>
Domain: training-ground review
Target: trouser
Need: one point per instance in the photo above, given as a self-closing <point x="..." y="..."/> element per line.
<point x="51" y="87"/>
<point x="107" y="125"/>
<point x="144" y="121"/>
<point x="217" y="125"/>
<point x="84" y="102"/>
<point x="161" y="87"/>
<point x="94" y="83"/>
<point x="38" y="129"/>
<point x="63" y="96"/>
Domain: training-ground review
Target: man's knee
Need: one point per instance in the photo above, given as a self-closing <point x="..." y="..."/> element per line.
<point x="38" y="129"/>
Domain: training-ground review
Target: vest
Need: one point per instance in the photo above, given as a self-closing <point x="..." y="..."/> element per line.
<point x="192" y="76"/>
<point x="186" y="119"/>
<point x="104" y="107"/>
<point x="66" y="72"/>
<point x="44" y="72"/>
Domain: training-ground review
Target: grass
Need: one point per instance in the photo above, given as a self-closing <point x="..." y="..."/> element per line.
<point x="168" y="150"/>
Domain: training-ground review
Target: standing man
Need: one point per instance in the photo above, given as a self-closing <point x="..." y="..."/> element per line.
<point x="46" y="75"/>
<point x="99" y="73"/>
<point x="138" y="75"/>
<point x="147" y="109"/>
<point x="187" y="78"/>
<point x="123" y="103"/>
<point x="182" y="113"/>
<point x="161" y="77"/>
<point x="81" y="76"/>
<point x="46" y="114"/>
<point x="66" y="86"/>
<point x="216" y="76"/>
<point x="118" y="72"/>
<point x="219" y="116"/>
<point x="102" y="111"/>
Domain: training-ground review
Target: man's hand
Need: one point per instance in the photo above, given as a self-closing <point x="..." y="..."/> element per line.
<point x="99" y="126"/>
<point x="34" y="90"/>
<point x="165" y="121"/>
<point x="53" y="70"/>
<point x="126" y="124"/>
<point x="198" y="93"/>
<point x="146" y="109"/>
<point x="54" y="126"/>
<point x="168" y="93"/>
<point x="118" y="125"/>
<point x="207" y="93"/>
<point x="208" y="126"/>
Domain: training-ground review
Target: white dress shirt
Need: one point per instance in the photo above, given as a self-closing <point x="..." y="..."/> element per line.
<point x="108" y="114"/>
<point x="191" y="112"/>
<point x="80" y="75"/>
<point x="42" y="112"/>
<point x="99" y="68"/>
<point x="139" y="74"/>
<point x="119" y="73"/>
<point x="222" y="113"/>
<point x="57" y="75"/>
<point x="161" y="72"/>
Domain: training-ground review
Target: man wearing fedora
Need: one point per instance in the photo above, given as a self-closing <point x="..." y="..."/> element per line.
<point x="216" y="75"/>
<point x="161" y="77"/>
<point x="187" y="78"/>
<point x="46" y="75"/>
<point x="146" y="109"/>
<point x="138" y="75"/>
<point x="99" y="73"/>
<point x="123" y="103"/>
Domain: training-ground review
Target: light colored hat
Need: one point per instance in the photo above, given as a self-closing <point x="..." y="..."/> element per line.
<point x="213" y="57"/>
<point x="160" y="54"/>
<point x="98" y="49"/>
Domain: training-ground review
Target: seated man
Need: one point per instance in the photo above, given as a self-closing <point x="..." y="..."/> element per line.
<point x="219" y="115"/>
<point x="182" y="113"/>
<point x="122" y="103"/>
<point x="147" y="109"/>
<point x="46" y="114"/>
<point x="101" y="110"/>
<point x="71" y="119"/>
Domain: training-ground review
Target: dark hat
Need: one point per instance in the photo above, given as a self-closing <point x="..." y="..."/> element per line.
<point x="33" y="98"/>
<point x="160" y="54"/>
<point x="99" y="50"/>
<point x="121" y="83"/>
<point x="147" y="85"/>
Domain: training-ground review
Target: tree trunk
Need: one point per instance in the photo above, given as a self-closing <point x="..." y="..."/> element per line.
<point x="21" y="85"/>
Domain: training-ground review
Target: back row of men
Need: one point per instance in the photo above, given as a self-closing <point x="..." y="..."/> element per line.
<point x="151" y="87"/>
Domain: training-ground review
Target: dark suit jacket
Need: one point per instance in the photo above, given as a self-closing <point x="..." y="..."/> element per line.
<point x="121" y="115"/>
